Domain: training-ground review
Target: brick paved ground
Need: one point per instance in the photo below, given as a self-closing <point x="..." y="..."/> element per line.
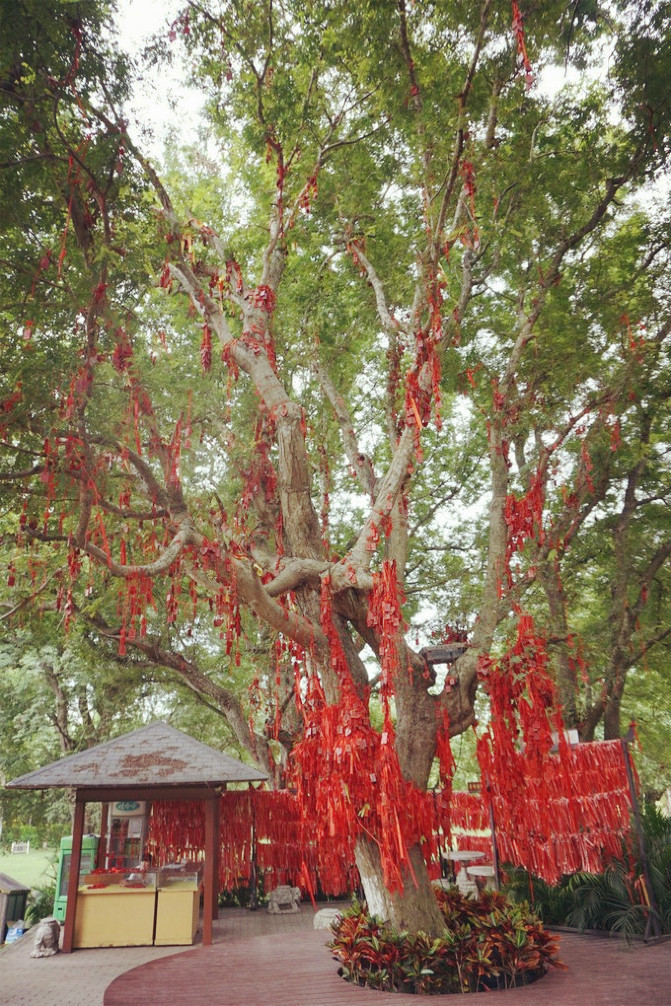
<point x="297" y="970"/>
<point x="264" y="960"/>
<point x="80" y="978"/>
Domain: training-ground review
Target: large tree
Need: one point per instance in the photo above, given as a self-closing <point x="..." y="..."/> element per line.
<point x="395" y="333"/>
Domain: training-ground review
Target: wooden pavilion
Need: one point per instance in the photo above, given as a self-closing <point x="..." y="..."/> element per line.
<point x="156" y="762"/>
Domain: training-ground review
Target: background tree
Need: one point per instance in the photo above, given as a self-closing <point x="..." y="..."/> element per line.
<point x="253" y="406"/>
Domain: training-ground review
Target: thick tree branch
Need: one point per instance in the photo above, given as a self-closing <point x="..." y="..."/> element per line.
<point x="360" y="463"/>
<point x="224" y="700"/>
<point x="388" y="488"/>
<point x="184" y="537"/>
<point x="389" y="323"/>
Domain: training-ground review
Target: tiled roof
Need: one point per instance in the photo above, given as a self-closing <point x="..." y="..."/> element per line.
<point x="8" y="885"/>
<point x="155" y="755"/>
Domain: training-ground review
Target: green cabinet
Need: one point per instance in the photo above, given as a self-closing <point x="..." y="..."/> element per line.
<point x="88" y="863"/>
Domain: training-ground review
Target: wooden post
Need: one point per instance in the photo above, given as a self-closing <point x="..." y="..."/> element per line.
<point x="253" y="875"/>
<point x="3" y="917"/>
<point x="101" y="858"/>
<point x="209" y="897"/>
<point x="492" y="828"/>
<point x="217" y="854"/>
<point x="653" y="918"/>
<point x="495" y="850"/>
<point x="73" y="878"/>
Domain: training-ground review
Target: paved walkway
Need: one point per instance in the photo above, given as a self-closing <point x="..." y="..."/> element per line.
<point x="262" y="960"/>
<point x="80" y="978"/>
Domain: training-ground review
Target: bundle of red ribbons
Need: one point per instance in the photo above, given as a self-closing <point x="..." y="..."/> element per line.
<point x="557" y="808"/>
<point x="574" y="817"/>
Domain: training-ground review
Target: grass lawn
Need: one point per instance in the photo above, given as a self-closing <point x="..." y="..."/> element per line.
<point x="37" y="869"/>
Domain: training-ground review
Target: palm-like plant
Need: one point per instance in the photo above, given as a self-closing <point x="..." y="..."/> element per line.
<point x="615" y="900"/>
<point x="657" y="831"/>
<point x="551" y="903"/>
<point x="607" y="901"/>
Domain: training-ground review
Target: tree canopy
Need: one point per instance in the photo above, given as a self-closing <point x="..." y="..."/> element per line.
<point x="381" y="361"/>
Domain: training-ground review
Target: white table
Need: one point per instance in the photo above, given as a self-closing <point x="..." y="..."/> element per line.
<point x="462" y="857"/>
<point x="483" y="874"/>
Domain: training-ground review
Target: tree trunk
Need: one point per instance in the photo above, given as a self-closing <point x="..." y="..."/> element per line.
<point x="566" y="678"/>
<point x="415" y="908"/>
<point x="612" y="719"/>
<point x="616" y="678"/>
<point x="60" y="717"/>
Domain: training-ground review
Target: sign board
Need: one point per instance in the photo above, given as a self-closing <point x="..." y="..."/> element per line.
<point x="127" y="808"/>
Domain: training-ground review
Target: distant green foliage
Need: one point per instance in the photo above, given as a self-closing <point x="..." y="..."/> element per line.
<point x="40" y="904"/>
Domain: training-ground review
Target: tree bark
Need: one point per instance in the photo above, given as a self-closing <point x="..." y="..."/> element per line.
<point x="415" y="908"/>
<point x="565" y="674"/>
<point x="60" y="717"/>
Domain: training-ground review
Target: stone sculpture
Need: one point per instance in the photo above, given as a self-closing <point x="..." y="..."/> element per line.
<point x="284" y="899"/>
<point x="46" y="938"/>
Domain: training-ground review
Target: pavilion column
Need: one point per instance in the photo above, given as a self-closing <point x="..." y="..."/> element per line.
<point x="217" y="854"/>
<point x="101" y="860"/>
<point x="73" y="878"/>
<point x="210" y="909"/>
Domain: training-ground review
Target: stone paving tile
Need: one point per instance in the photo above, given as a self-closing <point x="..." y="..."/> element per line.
<point x="80" y="978"/>
<point x="77" y="979"/>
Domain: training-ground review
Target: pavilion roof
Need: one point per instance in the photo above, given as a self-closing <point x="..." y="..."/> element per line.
<point x="154" y="755"/>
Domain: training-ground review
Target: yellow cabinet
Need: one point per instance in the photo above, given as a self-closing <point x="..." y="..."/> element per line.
<point x="136" y="908"/>
<point x="178" y="904"/>
<point x="115" y="916"/>
<point x="177" y="914"/>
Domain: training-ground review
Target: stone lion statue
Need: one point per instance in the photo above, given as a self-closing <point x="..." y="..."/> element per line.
<point x="47" y="933"/>
<point x="284" y="899"/>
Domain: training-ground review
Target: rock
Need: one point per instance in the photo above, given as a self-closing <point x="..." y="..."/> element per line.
<point x="325" y="918"/>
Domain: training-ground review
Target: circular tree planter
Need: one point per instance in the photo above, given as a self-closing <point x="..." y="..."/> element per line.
<point x="488" y="944"/>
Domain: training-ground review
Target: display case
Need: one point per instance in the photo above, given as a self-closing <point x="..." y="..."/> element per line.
<point x="131" y="908"/>
<point x="116" y="908"/>
<point x="178" y="904"/>
<point x="133" y="879"/>
<point x="126" y="833"/>
<point x="182" y="876"/>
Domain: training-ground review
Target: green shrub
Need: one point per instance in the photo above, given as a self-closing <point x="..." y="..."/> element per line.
<point x="488" y="943"/>
<point x="243" y="896"/>
<point x="40" y="904"/>
<point x="657" y="833"/>
<point x="552" y="903"/>
<point x="28" y="833"/>
<point x="607" y="901"/>
<point x="614" y="900"/>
